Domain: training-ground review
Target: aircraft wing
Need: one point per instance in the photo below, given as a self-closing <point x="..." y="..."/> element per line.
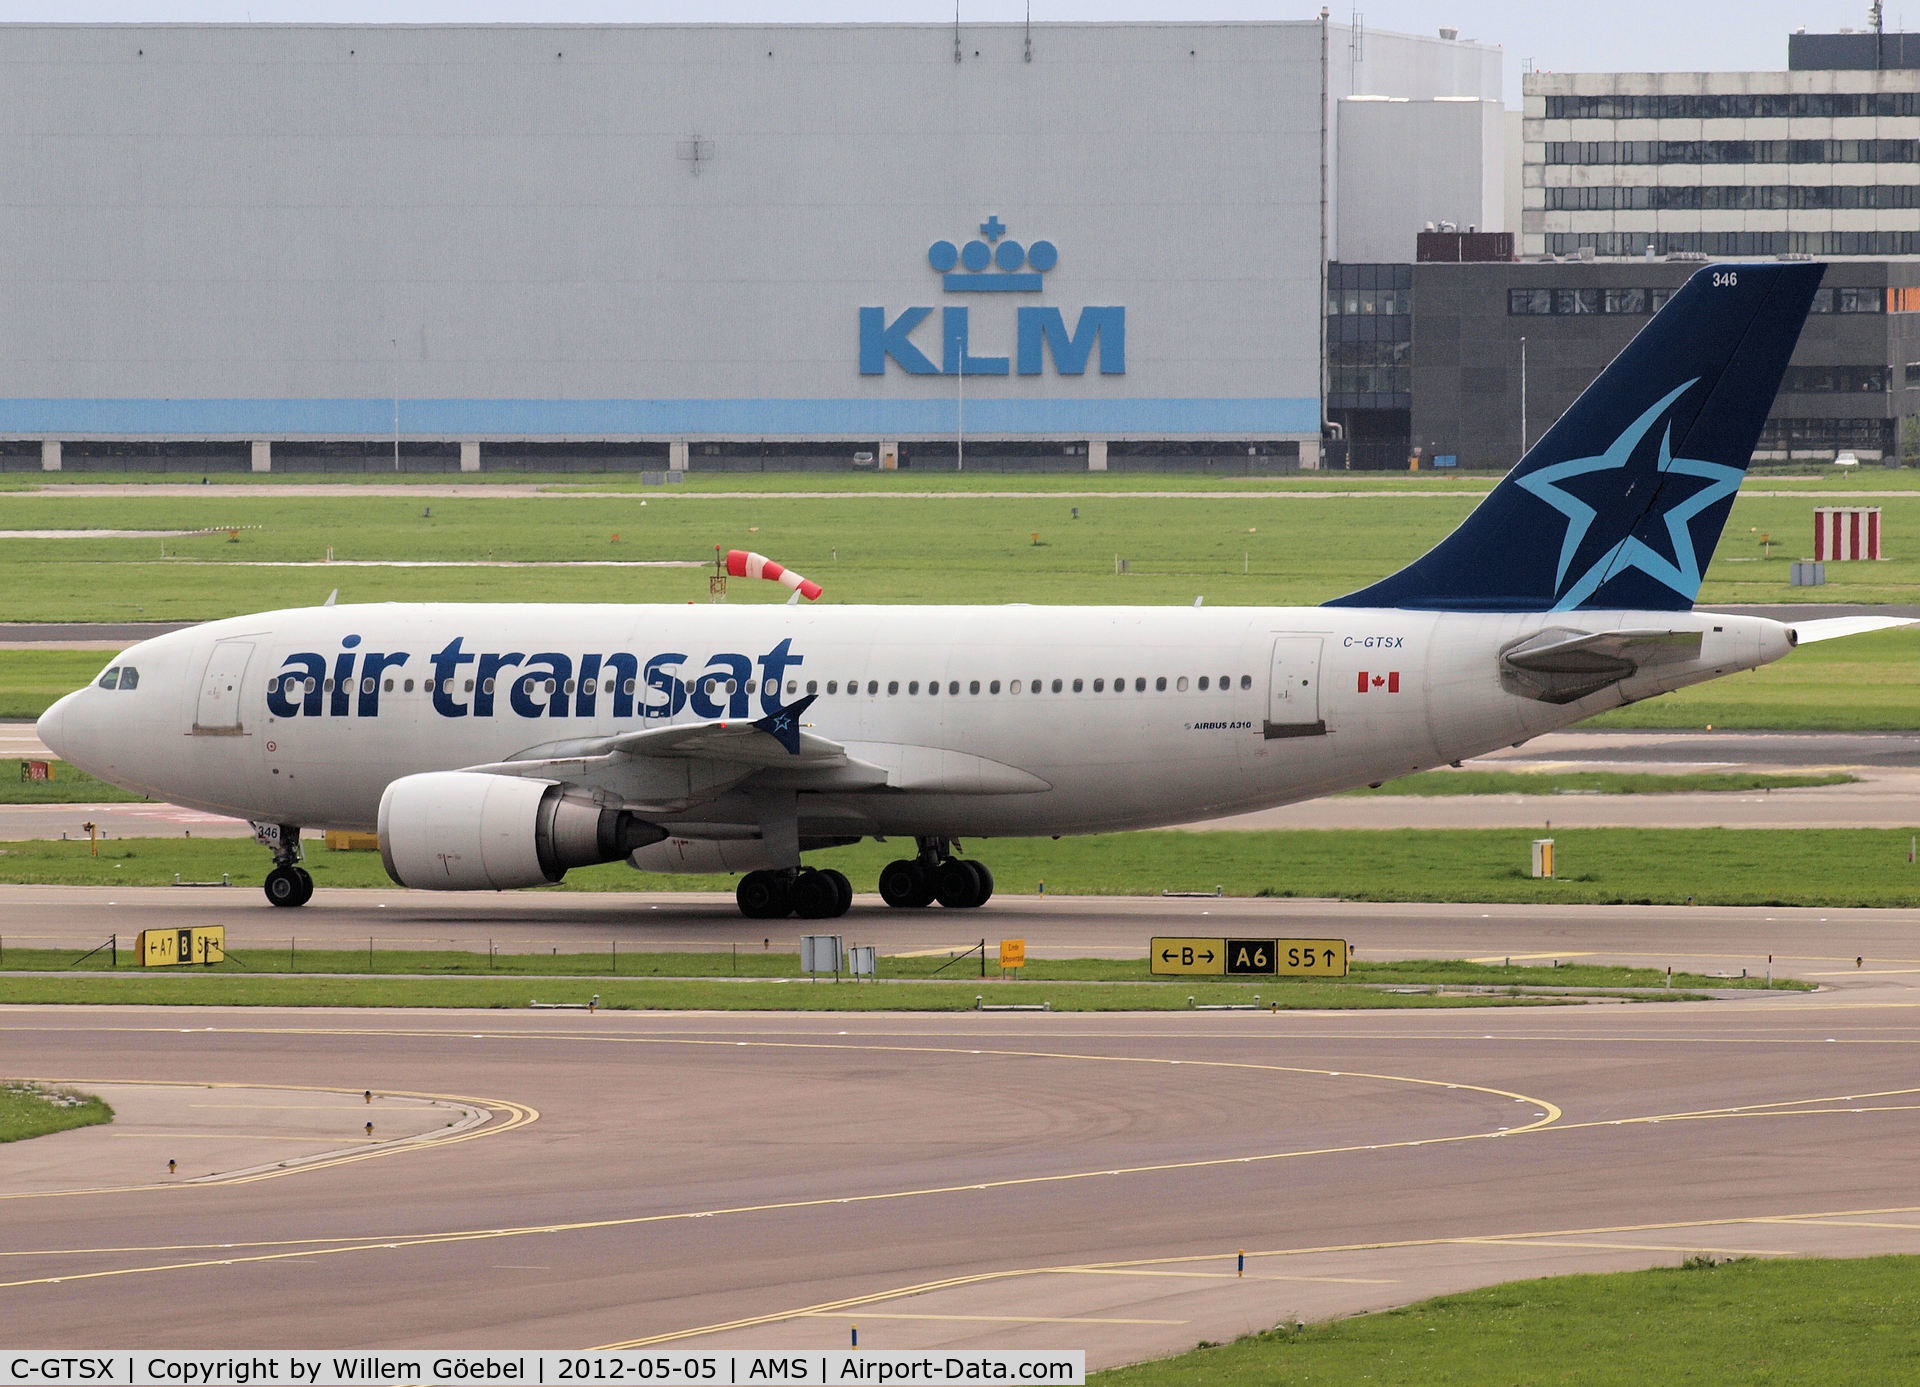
<point x="667" y="769"/>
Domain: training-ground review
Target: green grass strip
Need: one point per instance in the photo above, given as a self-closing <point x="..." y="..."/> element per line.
<point x="256" y="956"/>
<point x="1598" y="866"/>
<point x="69" y="785"/>
<point x="214" y="988"/>
<point x="1451" y="782"/>
<point x="34" y="1110"/>
<point x="1801" y="1321"/>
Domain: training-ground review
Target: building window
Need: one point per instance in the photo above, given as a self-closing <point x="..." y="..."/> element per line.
<point x="1834" y="380"/>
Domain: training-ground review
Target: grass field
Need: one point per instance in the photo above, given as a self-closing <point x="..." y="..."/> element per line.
<point x="1295" y="542"/>
<point x="34" y="1110"/>
<point x="1452" y="782"/>
<point x="1812" y="867"/>
<point x="1285" y="546"/>
<point x="1812" y="1323"/>
<point x="70" y="785"/>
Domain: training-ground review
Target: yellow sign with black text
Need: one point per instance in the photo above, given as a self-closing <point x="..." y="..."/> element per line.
<point x="163" y="948"/>
<point x="1261" y="958"/>
<point x="1176" y="955"/>
<point x="1013" y="953"/>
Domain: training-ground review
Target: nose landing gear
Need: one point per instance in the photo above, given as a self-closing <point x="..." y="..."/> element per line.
<point x="935" y="875"/>
<point x="288" y="884"/>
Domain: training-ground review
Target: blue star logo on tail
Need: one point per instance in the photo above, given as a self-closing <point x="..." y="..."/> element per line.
<point x="1679" y="572"/>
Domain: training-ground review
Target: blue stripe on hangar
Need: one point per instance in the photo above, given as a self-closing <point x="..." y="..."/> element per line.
<point x="74" y="418"/>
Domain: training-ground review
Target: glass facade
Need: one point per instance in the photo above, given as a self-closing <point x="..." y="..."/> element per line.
<point x="1731" y="151"/>
<point x="1739" y="106"/>
<point x="1825" y="435"/>
<point x="1815" y="245"/>
<point x="1561" y="302"/>
<point x="1369" y="336"/>
<point x="1736" y="198"/>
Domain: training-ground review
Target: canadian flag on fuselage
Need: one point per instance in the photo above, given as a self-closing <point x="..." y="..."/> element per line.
<point x="1376" y="683"/>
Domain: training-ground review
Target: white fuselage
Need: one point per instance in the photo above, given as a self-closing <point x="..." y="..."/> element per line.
<point x="1162" y="715"/>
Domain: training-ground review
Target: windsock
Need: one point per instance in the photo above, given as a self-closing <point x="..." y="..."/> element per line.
<point x="741" y="564"/>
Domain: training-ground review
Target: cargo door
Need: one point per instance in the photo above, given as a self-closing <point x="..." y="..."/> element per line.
<point x="1293" y="688"/>
<point x="218" y="712"/>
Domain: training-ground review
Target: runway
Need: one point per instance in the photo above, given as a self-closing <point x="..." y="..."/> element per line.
<point x="975" y="1180"/>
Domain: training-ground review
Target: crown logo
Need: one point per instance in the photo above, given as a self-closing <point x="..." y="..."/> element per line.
<point x="1017" y="268"/>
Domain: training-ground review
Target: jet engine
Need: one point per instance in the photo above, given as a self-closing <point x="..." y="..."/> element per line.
<point x="465" y="831"/>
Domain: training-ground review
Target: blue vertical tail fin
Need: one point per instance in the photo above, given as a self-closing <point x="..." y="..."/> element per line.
<point x="1620" y="505"/>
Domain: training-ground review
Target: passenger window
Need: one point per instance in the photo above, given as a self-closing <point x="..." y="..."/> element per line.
<point x="111" y="679"/>
<point x="1056" y="686"/>
<point x="994" y="687"/>
<point x="327" y="686"/>
<point x="1226" y="682"/>
<point x="310" y="688"/>
<point x="409" y="686"/>
<point x="1078" y="685"/>
<point x="913" y="686"/>
<point x="873" y="686"/>
<point x="626" y="688"/>
<point x="1099" y="686"/>
<point x="569" y="686"/>
<point x="486" y="687"/>
<point x="893" y="686"/>
<point x="1203" y="683"/>
<point x="366" y="686"/>
<point x="427" y="685"/>
<point x="129" y="677"/>
<point x="469" y="686"/>
<point x="793" y="686"/>
<point x="933" y="687"/>
<point x="1180" y="685"/>
<point x="750" y="684"/>
<point x="609" y="688"/>
<point x="1120" y="685"/>
<point x="813" y="686"/>
<point x="1160" y="684"/>
<point x="833" y="686"/>
<point x="1246" y="681"/>
<point x="953" y="687"/>
<point x="1036" y="687"/>
<point x="1139" y="686"/>
<point x="389" y="688"/>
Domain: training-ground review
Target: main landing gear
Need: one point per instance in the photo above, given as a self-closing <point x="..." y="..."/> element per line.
<point x="810" y="893"/>
<point x="935" y="875"/>
<point x="288" y="884"/>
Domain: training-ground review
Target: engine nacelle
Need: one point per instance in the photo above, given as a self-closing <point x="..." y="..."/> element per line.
<point x="464" y="831"/>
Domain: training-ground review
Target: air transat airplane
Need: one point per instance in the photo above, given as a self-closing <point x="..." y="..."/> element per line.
<point x="496" y="746"/>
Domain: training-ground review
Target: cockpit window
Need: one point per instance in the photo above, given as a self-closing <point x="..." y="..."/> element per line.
<point x="129" y="677"/>
<point x="111" y="679"/>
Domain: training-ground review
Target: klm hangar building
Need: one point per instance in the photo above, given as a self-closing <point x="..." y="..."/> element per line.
<point x="663" y="248"/>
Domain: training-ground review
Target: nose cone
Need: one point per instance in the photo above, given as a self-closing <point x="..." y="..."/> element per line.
<point x="49" y="727"/>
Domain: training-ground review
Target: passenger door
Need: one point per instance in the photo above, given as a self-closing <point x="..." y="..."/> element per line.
<point x="1293" y="689"/>
<point x="218" y="712"/>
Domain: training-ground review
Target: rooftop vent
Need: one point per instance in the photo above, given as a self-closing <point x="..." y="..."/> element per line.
<point x="1451" y="34"/>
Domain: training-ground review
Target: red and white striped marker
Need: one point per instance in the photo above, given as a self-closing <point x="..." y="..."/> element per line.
<point x="742" y="564"/>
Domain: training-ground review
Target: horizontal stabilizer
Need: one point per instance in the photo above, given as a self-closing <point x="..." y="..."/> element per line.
<point x="1560" y="665"/>
<point x="1828" y="628"/>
